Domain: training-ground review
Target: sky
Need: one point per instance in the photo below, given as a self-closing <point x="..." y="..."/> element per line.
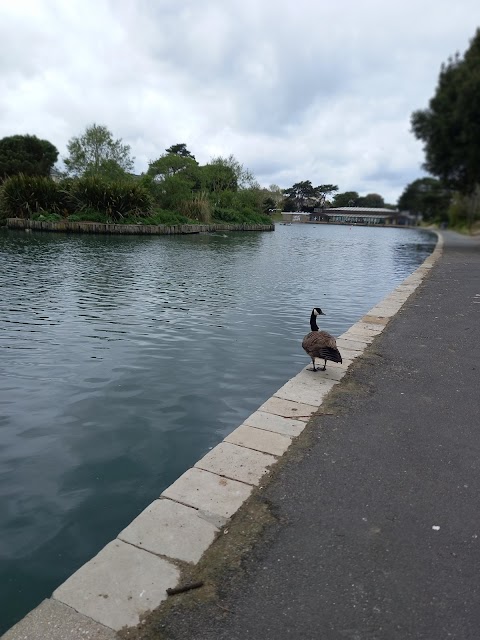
<point x="295" y="90"/>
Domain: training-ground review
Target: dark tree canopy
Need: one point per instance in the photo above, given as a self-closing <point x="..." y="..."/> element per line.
<point x="346" y="199"/>
<point x="373" y="200"/>
<point x="426" y="197"/>
<point x="180" y="150"/>
<point x="26" y="154"/>
<point x="450" y="126"/>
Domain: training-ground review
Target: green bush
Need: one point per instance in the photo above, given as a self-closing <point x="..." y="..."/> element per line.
<point x="197" y="208"/>
<point x="23" y="196"/>
<point x="47" y="216"/>
<point x="115" y="200"/>
<point x="88" y="215"/>
<point x="162" y="216"/>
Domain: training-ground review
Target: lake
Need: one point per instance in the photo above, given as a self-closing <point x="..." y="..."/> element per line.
<point x="125" y="358"/>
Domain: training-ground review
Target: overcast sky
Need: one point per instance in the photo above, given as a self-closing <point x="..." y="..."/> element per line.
<point x="316" y="90"/>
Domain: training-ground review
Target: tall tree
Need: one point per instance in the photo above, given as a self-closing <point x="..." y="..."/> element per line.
<point x="96" y="152"/>
<point x="427" y="197"/>
<point x="450" y="126"/>
<point x="245" y="178"/>
<point x="346" y="199"/>
<point x="299" y="193"/>
<point x="170" y="164"/>
<point x="322" y="192"/>
<point x="180" y="150"/>
<point x="373" y="200"/>
<point x="26" y="154"/>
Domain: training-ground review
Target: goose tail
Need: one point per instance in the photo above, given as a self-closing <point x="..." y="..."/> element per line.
<point x="330" y="353"/>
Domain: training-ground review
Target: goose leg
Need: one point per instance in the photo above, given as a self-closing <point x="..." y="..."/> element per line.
<point x="324" y="366"/>
<point x="314" y="368"/>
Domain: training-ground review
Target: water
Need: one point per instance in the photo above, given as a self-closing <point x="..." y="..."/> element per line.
<point x="124" y="359"/>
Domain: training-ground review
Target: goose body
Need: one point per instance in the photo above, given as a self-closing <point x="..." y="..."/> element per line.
<point x="320" y="344"/>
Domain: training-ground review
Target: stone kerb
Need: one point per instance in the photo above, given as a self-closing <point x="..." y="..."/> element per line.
<point x="131" y="574"/>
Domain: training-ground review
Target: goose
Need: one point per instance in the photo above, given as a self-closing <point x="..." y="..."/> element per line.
<point x="320" y="344"/>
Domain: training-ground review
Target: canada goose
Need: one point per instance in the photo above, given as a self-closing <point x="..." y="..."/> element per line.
<point x="320" y="344"/>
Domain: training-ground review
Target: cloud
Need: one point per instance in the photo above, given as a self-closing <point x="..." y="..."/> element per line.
<point x="316" y="91"/>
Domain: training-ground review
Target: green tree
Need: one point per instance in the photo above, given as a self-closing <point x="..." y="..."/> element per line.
<point x="245" y="178"/>
<point x="180" y="150"/>
<point x="345" y="199"/>
<point x="322" y="192"/>
<point x="450" y="126"/>
<point x="26" y="154"/>
<point x="218" y="177"/>
<point x="170" y="164"/>
<point x="96" y="152"/>
<point x="299" y="193"/>
<point x="373" y="200"/>
<point x="427" y="197"/>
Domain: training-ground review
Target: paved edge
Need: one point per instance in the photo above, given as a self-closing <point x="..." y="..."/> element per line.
<point x="131" y="574"/>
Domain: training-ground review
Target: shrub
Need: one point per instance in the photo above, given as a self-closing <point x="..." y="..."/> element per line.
<point x="115" y="199"/>
<point x="197" y="208"/>
<point x="23" y="196"/>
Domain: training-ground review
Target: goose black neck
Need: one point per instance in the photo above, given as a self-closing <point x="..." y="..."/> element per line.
<point x="313" y="322"/>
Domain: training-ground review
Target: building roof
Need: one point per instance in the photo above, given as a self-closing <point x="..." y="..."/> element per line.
<point x="356" y="210"/>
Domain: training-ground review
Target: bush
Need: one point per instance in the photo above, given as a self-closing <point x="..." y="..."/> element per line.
<point x="197" y="208"/>
<point x="23" y="196"/>
<point x="114" y="199"/>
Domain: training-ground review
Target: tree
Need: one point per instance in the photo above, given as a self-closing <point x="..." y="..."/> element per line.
<point x="169" y="164"/>
<point x="346" y="199"/>
<point x="96" y="153"/>
<point x="427" y="197"/>
<point x="372" y="200"/>
<point x="322" y="191"/>
<point x="450" y="126"/>
<point x="218" y="177"/>
<point x="180" y="150"/>
<point x="245" y="178"/>
<point x="299" y="193"/>
<point x="26" y="154"/>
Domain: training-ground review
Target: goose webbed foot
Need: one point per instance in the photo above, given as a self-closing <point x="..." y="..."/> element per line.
<point x="312" y="369"/>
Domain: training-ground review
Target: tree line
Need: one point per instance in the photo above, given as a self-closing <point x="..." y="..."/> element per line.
<point x="98" y="181"/>
<point x="450" y="131"/>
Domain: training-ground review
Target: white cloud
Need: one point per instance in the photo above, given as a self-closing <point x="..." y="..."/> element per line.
<point x="320" y="91"/>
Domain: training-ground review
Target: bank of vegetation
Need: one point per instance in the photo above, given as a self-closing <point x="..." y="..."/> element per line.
<point x="98" y="185"/>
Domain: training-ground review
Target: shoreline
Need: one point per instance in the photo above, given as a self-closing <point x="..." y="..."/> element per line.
<point x="64" y="226"/>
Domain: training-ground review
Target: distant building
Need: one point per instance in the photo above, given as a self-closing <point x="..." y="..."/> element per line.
<point x="363" y="216"/>
<point x="296" y="216"/>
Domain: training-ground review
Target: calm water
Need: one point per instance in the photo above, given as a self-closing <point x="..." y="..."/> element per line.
<point x="124" y="359"/>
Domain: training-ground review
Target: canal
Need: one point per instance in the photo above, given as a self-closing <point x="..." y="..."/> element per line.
<point x="123" y="359"/>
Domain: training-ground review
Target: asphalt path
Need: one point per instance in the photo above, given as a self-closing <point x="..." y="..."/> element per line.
<point x="377" y="532"/>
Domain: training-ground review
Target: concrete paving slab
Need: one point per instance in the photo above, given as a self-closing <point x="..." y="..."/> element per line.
<point x="118" y="585"/>
<point x="277" y="423"/>
<point x="373" y="319"/>
<point x="367" y="327"/>
<point x="333" y="372"/>
<point x="170" y="529"/>
<point x="259" y="440"/>
<point x="216" y="498"/>
<point x="357" y="337"/>
<point x="352" y="345"/>
<point x="287" y="409"/>
<point x="53" y="620"/>
<point x="308" y="394"/>
<point x="236" y="463"/>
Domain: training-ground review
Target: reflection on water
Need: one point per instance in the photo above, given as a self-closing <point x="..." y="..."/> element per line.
<point x="123" y="359"/>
